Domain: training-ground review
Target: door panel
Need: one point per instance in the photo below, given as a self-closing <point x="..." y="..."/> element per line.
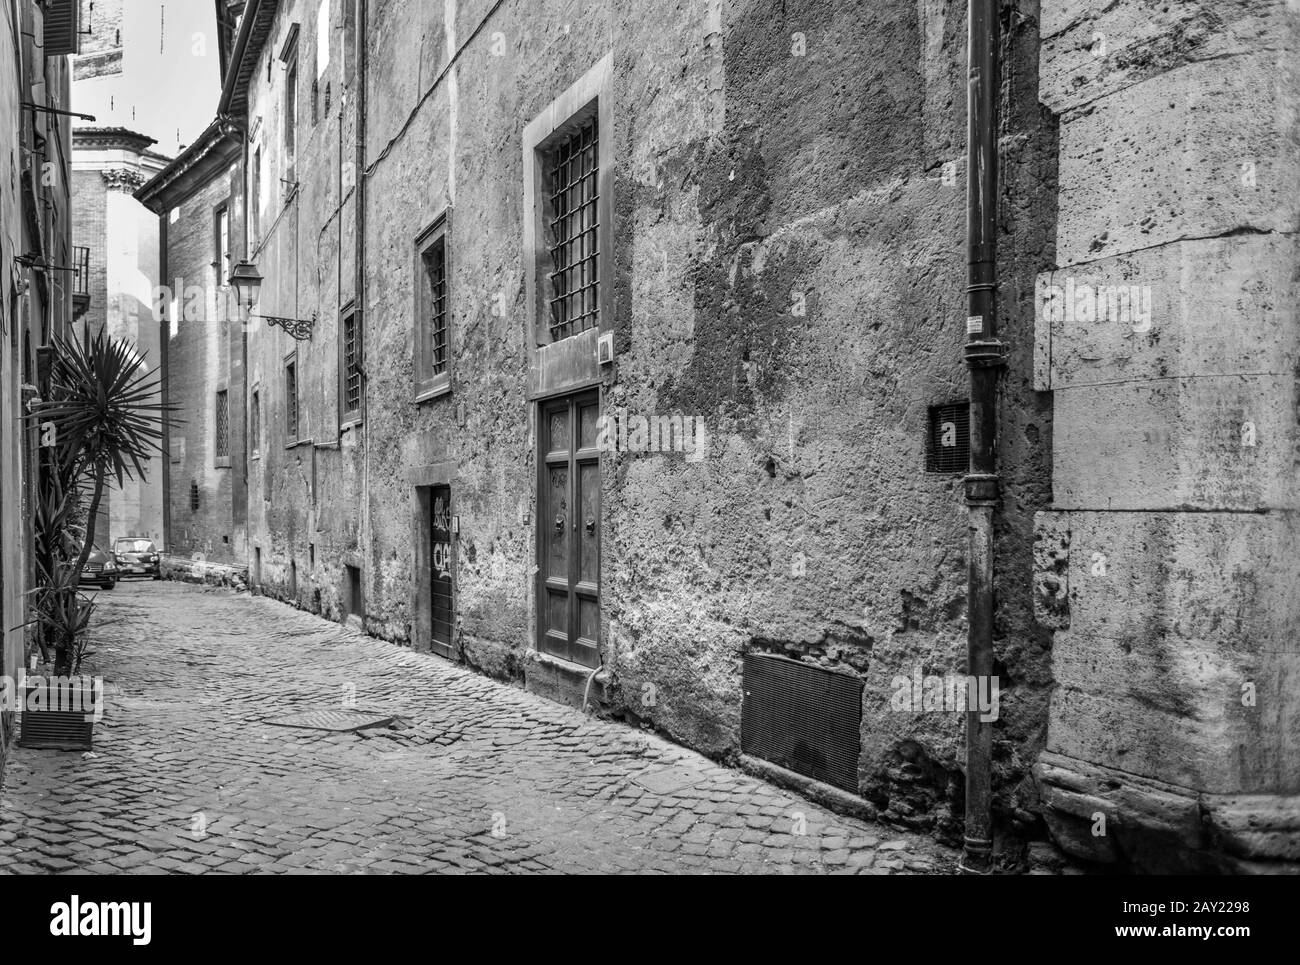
<point x="568" y="541"/>
<point x="441" y="577"/>
<point x="559" y="431"/>
<point x="556" y="522"/>
<point x="589" y="523"/>
<point x="589" y="416"/>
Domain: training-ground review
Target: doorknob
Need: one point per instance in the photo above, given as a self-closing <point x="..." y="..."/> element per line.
<point x="591" y="525"/>
<point x="559" y="524"/>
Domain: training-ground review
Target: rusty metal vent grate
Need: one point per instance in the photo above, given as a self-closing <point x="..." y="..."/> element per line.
<point x="334" y="720"/>
<point x="802" y="718"/>
<point x="56" y="730"/>
<point x="947" y="448"/>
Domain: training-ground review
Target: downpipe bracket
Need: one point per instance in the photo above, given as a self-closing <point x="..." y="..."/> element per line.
<point x="982" y="489"/>
<point x="976" y="856"/>
<point x="985" y="354"/>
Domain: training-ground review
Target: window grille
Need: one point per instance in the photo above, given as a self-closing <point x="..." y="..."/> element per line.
<point x="435" y="261"/>
<point x="223" y="425"/>
<point x="573" y="224"/>
<point x="291" y="399"/>
<point x="352" y="363"/>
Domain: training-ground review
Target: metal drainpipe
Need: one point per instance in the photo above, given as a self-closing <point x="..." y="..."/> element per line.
<point x="359" y="295"/>
<point x="984" y="359"/>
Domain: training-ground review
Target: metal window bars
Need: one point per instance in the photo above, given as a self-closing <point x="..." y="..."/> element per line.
<point x="223" y="425"/>
<point x="573" y="223"/>
<point x="291" y="399"/>
<point x="435" y="260"/>
<point x="351" y="363"/>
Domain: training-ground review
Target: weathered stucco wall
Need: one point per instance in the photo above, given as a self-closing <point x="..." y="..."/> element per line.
<point x="789" y="245"/>
<point x="33" y="305"/>
<point x="304" y="491"/>
<point x="749" y="179"/>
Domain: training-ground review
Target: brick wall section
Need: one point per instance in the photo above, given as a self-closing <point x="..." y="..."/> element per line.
<point x="90" y="230"/>
<point x="199" y="350"/>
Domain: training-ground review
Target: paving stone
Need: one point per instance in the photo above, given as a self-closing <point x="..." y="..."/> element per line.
<point x="190" y="779"/>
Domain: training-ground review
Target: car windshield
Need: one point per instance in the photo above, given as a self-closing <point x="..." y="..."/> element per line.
<point x="134" y="546"/>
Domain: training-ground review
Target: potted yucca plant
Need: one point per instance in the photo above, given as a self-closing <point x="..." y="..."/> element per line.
<point x="103" y="419"/>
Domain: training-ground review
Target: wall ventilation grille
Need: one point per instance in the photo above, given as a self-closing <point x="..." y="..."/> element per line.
<point x="947" y="449"/>
<point x="803" y="718"/>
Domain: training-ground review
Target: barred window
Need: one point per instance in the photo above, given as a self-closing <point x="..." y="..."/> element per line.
<point x="432" y="333"/>
<point x="571" y="177"/>
<point x="291" y="399"/>
<point x="352" y="353"/>
<point x="435" y="260"/>
<point x="222" y="450"/>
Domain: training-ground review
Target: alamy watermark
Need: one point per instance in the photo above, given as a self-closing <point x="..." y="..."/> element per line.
<point x="950" y="692"/>
<point x="623" y="432"/>
<point x="79" y="694"/>
<point x="1080" y="302"/>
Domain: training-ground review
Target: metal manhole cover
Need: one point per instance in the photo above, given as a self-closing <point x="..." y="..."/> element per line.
<point x="335" y="720"/>
<point x="670" y="780"/>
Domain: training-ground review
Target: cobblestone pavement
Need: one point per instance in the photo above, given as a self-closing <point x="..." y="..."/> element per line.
<point x="475" y="776"/>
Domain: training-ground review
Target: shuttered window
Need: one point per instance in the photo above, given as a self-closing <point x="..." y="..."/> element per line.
<point x="62" y="25"/>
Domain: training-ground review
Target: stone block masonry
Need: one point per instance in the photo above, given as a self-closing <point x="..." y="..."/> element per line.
<point x="1172" y="722"/>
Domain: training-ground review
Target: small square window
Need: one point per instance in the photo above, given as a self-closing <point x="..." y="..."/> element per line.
<point x="947" y="447"/>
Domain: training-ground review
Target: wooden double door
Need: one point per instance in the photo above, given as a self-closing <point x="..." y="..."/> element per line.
<point x="568" y="529"/>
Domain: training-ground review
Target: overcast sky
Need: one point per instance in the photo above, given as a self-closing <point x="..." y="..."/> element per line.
<point x="168" y="88"/>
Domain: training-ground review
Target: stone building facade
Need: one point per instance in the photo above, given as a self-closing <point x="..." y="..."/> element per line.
<point x="36" y="280"/>
<point x="119" y="237"/>
<point x="630" y="368"/>
<point x="198" y="220"/>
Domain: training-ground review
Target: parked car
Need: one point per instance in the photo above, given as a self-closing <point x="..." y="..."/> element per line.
<point x="100" y="568"/>
<point x="137" y="557"/>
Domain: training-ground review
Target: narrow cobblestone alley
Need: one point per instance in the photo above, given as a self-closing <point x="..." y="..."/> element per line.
<point x="187" y="776"/>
